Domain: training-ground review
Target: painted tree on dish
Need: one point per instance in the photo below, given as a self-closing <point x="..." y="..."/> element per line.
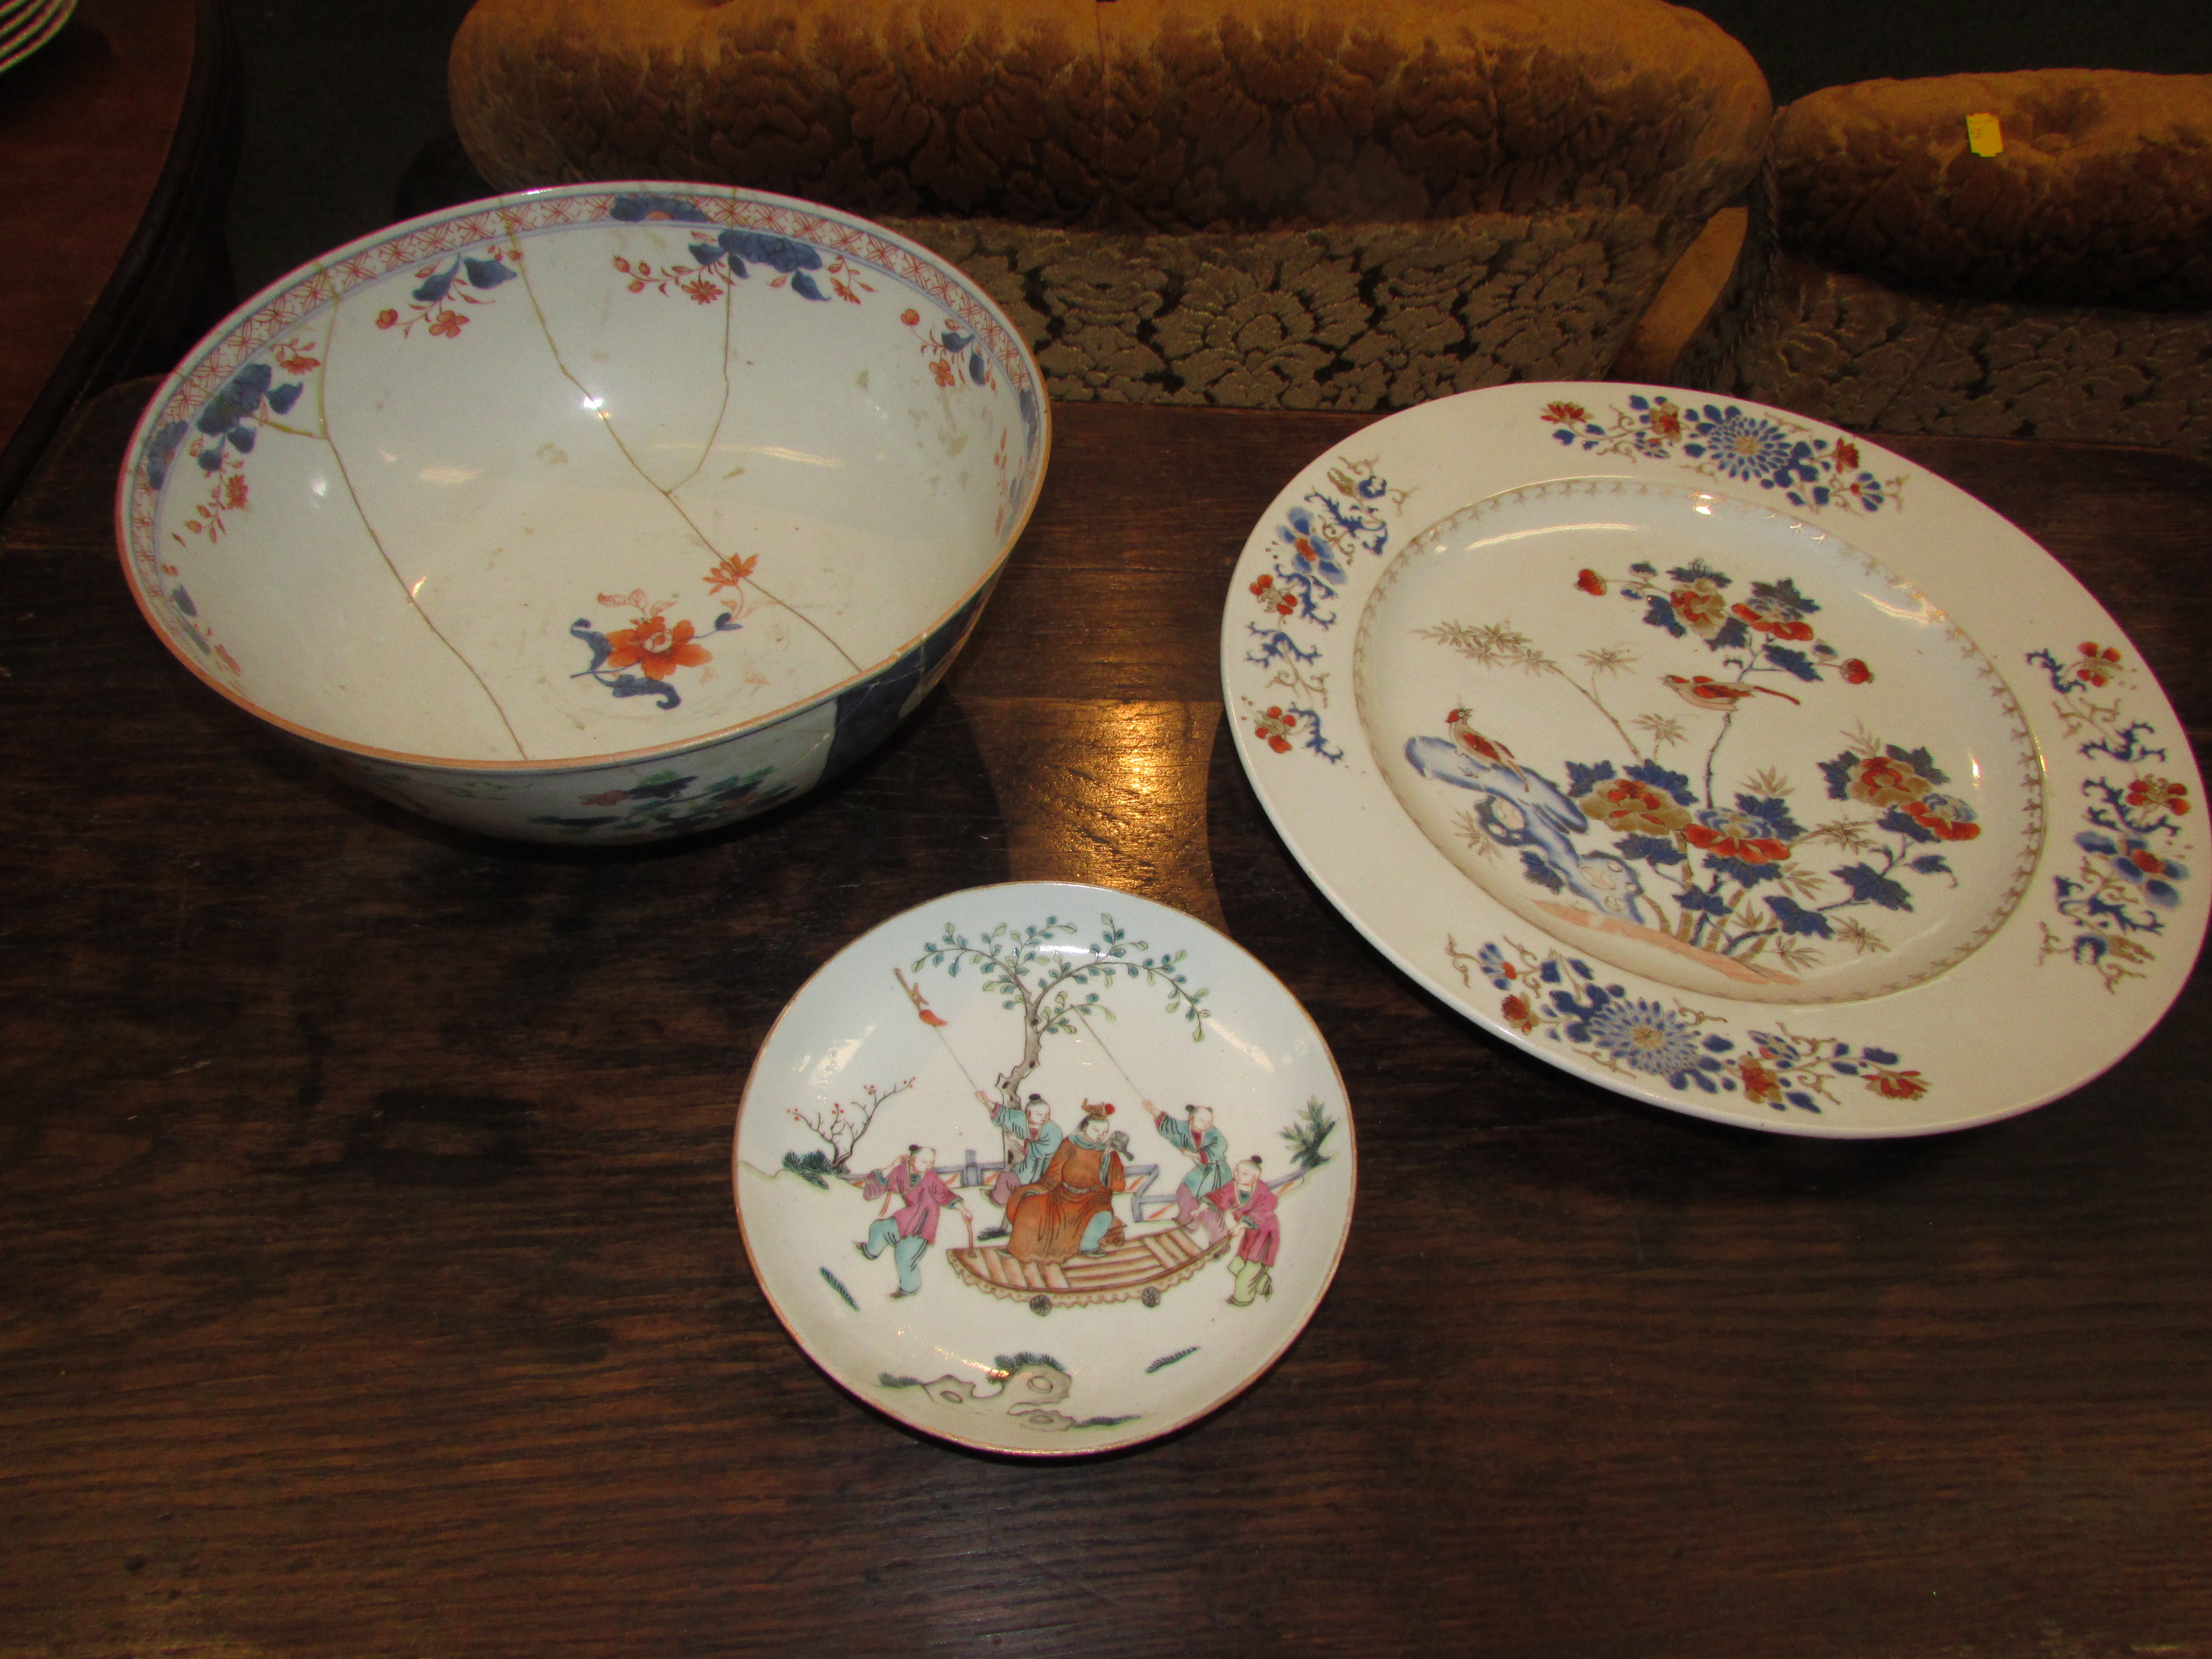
<point x="1054" y="988"/>
<point x="840" y="1128"/>
<point x="1652" y="847"/>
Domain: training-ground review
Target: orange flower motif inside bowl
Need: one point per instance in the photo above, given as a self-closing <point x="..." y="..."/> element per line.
<point x="639" y="660"/>
<point x="651" y="644"/>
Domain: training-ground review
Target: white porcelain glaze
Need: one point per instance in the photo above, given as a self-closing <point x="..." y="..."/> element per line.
<point x="1718" y="756"/>
<point x="865" y="1122"/>
<point x="593" y="513"/>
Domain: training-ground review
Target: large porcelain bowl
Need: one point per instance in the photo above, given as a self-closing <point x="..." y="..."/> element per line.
<point x="599" y="513"/>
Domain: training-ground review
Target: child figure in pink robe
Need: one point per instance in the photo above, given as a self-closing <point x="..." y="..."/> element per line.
<point x="1248" y="1204"/>
<point x="913" y="1229"/>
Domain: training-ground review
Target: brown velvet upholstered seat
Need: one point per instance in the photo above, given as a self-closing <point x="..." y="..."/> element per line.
<point x="1315" y="203"/>
<point x="1895" y="280"/>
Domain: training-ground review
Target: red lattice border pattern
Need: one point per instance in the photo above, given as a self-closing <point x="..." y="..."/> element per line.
<point x="274" y="320"/>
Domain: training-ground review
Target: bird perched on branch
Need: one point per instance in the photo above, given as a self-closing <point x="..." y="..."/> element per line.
<point x="1704" y="691"/>
<point x="1472" y="742"/>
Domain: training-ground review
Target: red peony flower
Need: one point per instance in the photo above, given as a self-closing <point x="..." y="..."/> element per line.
<point x="1950" y="819"/>
<point x="386" y="317"/>
<point x="1781" y="623"/>
<point x="2158" y="795"/>
<point x="1700" y="607"/>
<point x="1856" y="672"/>
<point x="1883" y="781"/>
<point x="1745" y="849"/>
<point x="1896" y="1085"/>
<point x="1635" y="809"/>
<point x="1847" y="455"/>
<point x="1274" y="728"/>
<point x="1517" y="1014"/>
<point x="652" y="645"/>
<point x="1570" y="414"/>
<point x="2097" y="663"/>
<point x="1590" y="582"/>
<point x="1761" y="1085"/>
<point x="909" y="317"/>
<point x="2148" y="861"/>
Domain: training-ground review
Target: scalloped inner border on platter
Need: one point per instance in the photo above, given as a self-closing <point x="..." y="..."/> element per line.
<point x="1743" y="847"/>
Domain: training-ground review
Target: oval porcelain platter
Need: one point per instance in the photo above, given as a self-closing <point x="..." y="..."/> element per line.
<point x="1044" y="1169"/>
<point x="1719" y="757"/>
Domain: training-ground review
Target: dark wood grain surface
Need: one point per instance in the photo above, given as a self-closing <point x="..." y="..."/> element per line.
<point x="116" y="144"/>
<point x="371" y="1286"/>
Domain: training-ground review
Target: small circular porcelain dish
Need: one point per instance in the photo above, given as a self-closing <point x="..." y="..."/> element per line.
<point x="1044" y="1169"/>
<point x="1720" y="757"/>
<point x="599" y="513"/>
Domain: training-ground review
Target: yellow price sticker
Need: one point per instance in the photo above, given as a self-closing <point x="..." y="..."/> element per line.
<point x="1983" y="136"/>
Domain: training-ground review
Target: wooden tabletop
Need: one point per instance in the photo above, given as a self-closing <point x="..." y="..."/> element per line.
<point x="115" y="142"/>
<point x="371" y="1286"/>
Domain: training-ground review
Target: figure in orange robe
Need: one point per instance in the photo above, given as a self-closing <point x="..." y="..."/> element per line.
<point x="1070" y="1207"/>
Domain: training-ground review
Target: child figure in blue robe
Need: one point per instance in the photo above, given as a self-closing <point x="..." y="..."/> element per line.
<point x="1207" y="1148"/>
